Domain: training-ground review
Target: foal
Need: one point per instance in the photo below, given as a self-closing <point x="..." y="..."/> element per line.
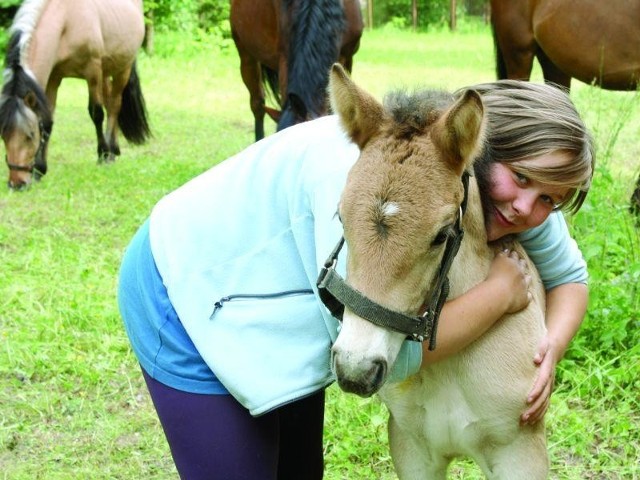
<point x="404" y="201"/>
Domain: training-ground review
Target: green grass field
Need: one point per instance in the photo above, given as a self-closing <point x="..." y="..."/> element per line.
<point x="72" y="400"/>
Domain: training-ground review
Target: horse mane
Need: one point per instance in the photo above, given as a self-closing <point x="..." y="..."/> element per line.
<point x="314" y="43"/>
<point x="25" y="22"/>
<point x="18" y="83"/>
<point x="413" y="112"/>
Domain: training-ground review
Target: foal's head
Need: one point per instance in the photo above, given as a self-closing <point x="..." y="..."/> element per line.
<point x="400" y="204"/>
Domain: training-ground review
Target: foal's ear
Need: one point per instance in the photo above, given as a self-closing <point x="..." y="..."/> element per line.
<point x="360" y="113"/>
<point x="459" y="133"/>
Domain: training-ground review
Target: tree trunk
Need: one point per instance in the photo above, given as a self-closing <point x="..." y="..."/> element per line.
<point x="414" y="14"/>
<point x="452" y="17"/>
<point x="147" y="43"/>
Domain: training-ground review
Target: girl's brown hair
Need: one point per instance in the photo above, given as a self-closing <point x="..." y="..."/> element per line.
<point x="527" y="120"/>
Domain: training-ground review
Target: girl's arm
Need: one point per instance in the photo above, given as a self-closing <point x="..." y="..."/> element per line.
<point x="566" y="307"/>
<point x="564" y="274"/>
<point x="465" y="318"/>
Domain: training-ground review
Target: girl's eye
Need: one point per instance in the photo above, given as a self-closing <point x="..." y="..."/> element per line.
<point x="522" y="179"/>
<point x="547" y="200"/>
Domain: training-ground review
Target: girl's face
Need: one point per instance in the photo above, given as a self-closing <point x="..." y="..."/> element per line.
<point x="518" y="203"/>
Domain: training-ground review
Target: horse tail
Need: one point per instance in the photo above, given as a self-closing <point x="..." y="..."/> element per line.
<point x="501" y="67"/>
<point x="132" y="118"/>
<point x="272" y="82"/>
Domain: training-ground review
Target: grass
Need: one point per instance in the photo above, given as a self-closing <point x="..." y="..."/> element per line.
<point x="73" y="401"/>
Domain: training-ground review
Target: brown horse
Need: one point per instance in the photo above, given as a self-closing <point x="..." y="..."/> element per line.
<point x="594" y="41"/>
<point x="406" y="202"/>
<point x="55" y="39"/>
<point x="290" y="45"/>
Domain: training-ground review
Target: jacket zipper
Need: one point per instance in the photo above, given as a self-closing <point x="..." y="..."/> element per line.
<point x="257" y="296"/>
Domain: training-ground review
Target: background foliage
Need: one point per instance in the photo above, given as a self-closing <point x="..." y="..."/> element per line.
<point x="73" y="404"/>
<point x="196" y="17"/>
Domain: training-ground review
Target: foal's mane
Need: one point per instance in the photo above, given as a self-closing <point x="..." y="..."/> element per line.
<point x="415" y="111"/>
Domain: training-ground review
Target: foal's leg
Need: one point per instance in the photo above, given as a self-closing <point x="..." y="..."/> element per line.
<point x="525" y="458"/>
<point x="412" y="461"/>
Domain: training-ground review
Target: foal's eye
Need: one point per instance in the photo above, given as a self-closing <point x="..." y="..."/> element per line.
<point x="441" y="237"/>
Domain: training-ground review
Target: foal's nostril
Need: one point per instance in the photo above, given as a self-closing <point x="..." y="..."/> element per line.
<point x="379" y="372"/>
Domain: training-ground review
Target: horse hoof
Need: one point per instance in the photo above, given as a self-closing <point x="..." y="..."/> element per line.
<point x="106" y="157"/>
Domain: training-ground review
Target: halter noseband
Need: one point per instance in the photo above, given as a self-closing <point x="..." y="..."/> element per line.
<point x="44" y="136"/>
<point x="336" y="293"/>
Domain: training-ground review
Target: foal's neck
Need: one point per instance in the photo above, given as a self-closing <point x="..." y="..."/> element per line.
<point x="471" y="265"/>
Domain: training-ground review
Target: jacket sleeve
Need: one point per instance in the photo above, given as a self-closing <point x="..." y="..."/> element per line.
<point x="555" y="254"/>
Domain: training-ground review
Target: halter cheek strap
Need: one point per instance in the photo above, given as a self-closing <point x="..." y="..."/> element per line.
<point x="336" y="293"/>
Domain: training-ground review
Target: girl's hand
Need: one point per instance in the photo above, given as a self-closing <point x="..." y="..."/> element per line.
<point x="510" y="275"/>
<point x="540" y="395"/>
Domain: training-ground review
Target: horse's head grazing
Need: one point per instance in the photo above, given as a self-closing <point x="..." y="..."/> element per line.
<point x="23" y="140"/>
<point x="400" y="204"/>
<point x="25" y="120"/>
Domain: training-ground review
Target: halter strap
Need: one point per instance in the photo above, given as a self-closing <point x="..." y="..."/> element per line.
<point x="335" y="292"/>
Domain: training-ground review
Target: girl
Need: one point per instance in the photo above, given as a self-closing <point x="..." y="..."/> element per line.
<point x="217" y="288"/>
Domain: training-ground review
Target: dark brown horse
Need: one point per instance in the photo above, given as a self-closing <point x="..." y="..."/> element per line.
<point x="290" y="45"/>
<point x="56" y="39"/>
<point x="594" y="41"/>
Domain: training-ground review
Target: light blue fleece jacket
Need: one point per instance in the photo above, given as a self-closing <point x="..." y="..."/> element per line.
<point x="238" y="245"/>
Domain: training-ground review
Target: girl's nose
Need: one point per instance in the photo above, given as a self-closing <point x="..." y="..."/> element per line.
<point x="524" y="203"/>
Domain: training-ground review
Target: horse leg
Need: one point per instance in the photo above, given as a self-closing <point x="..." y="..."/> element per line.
<point x="252" y="78"/>
<point x="96" y="112"/>
<point x="112" y="93"/>
<point x="518" y="63"/>
<point x="52" y="95"/>
<point x="346" y="55"/>
<point x="514" y="42"/>
<point x="551" y="73"/>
